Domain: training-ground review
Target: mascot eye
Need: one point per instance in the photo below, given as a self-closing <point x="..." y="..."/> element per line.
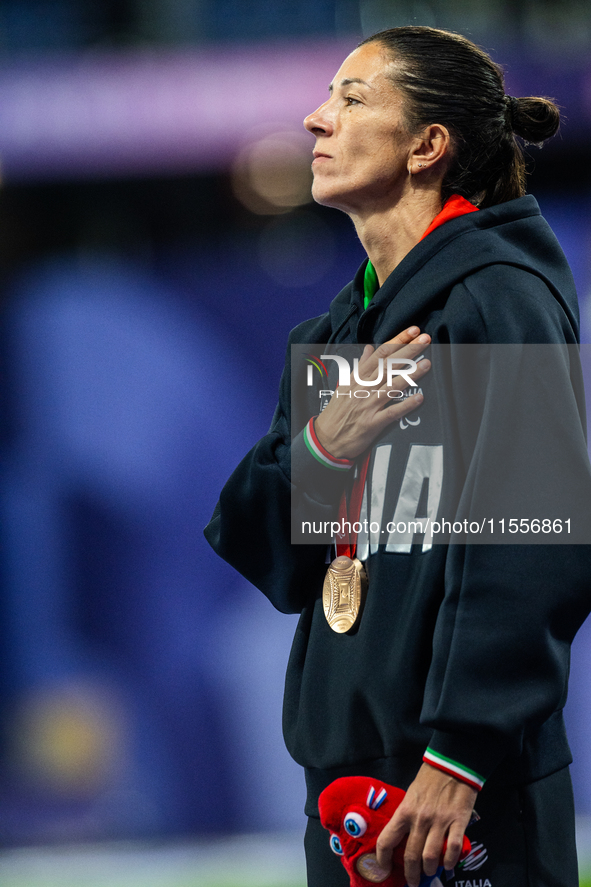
<point x="355" y="824"/>
<point x="335" y="845"/>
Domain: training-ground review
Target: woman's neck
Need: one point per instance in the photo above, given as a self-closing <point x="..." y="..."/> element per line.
<point x="389" y="234"/>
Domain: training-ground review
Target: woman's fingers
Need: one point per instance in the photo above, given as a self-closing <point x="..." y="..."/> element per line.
<point x="435" y="805"/>
<point x="405" y="336"/>
<point x="395" y="403"/>
<point x="411" y="376"/>
<point x="397" y="411"/>
<point x="375" y="397"/>
<point x="453" y="848"/>
<point x="394" y="348"/>
<point x="350" y="422"/>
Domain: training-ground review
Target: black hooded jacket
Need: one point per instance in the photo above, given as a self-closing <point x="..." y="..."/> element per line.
<point x="461" y="648"/>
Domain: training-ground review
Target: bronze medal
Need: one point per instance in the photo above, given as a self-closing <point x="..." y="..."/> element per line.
<point x="368" y="868"/>
<point x="343" y="593"/>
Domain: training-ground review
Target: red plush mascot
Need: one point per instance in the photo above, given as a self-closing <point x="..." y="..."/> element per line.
<point x="355" y="809"/>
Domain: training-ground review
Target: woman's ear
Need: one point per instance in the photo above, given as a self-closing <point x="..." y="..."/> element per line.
<point x="432" y="147"/>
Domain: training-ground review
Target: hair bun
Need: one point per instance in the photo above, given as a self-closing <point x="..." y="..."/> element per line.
<point x="534" y="118"/>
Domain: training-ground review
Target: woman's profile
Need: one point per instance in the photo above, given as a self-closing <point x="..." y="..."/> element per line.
<point x="449" y="679"/>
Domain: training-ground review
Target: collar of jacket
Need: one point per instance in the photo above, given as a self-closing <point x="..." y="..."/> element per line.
<point x="513" y="233"/>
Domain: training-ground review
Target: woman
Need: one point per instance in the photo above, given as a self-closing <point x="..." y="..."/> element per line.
<point x="417" y="144"/>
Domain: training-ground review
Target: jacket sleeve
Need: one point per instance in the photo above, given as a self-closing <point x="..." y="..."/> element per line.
<point x="251" y="527"/>
<point x="510" y="610"/>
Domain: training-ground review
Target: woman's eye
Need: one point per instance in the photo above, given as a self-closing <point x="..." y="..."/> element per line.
<point x="351" y="101"/>
<point x="355" y="824"/>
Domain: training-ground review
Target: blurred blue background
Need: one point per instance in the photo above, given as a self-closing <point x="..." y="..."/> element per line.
<point x="157" y="243"/>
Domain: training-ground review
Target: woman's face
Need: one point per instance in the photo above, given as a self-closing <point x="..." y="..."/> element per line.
<point x="362" y="147"/>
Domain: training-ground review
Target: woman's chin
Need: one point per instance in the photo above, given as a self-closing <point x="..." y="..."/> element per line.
<point x="327" y="196"/>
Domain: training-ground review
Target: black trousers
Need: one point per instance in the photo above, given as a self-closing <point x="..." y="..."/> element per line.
<point x="525" y="838"/>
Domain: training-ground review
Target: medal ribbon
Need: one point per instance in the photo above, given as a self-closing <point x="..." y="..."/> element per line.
<point x="349" y="512"/>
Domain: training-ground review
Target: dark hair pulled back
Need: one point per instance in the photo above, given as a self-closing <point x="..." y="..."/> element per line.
<point x="447" y="79"/>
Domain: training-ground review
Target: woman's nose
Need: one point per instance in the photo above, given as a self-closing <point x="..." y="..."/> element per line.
<point x="318" y="122"/>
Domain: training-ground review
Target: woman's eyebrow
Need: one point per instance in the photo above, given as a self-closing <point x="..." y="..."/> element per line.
<point x="349" y="80"/>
